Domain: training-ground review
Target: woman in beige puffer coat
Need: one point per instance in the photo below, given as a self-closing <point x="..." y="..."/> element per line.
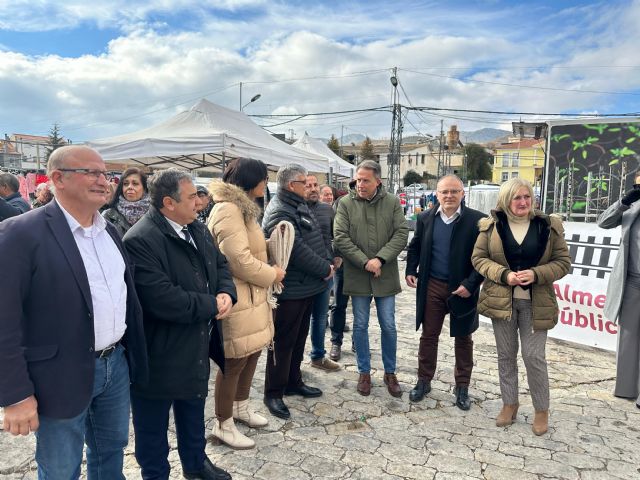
<point x="520" y="252"/>
<point x="249" y="328"/>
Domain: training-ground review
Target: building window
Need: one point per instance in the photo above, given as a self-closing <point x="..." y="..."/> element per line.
<point x="515" y="159"/>
<point x="505" y="159"/>
<point x="505" y="176"/>
<point x="423" y="155"/>
<point x="514" y="174"/>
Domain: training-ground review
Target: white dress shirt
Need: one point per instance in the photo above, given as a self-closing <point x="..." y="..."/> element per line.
<point x="178" y="228"/>
<point x="451" y="219"/>
<point x="105" y="268"/>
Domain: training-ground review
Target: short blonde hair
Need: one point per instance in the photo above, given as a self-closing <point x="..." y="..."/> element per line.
<point x="508" y="190"/>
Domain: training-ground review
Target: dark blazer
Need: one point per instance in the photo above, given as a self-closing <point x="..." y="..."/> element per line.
<point x="177" y="285"/>
<point x="310" y="262"/>
<point x="46" y="316"/>
<point x="461" y="272"/>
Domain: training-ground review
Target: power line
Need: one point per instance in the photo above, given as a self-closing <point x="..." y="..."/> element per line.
<point x="533" y="87"/>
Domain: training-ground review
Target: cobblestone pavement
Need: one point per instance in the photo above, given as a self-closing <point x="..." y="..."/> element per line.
<point x="343" y="435"/>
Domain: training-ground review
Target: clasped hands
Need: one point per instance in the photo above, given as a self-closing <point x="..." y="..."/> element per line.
<point x="224" y="304"/>
<point x="521" y="278"/>
<point x="374" y="266"/>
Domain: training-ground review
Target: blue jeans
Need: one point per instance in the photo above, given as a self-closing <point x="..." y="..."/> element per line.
<point x="104" y="425"/>
<point x="339" y="309"/>
<point x="386" y="318"/>
<point x="319" y="315"/>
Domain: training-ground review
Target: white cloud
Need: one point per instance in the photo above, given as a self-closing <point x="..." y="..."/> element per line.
<point x="155" y="69"/>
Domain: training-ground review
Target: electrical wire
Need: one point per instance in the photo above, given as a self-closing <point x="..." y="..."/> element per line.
<point x="534" y="87"/>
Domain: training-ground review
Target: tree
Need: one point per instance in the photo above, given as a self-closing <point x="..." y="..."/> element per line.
<point x="366" y="150"/>
<point x="479" y="162"/>
<point x="411" y="177"/>
<point x="334" y="145"/>
<point x="55" y="140"/>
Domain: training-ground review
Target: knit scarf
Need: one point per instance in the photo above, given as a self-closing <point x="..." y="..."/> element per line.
<point x="133" y="211"/>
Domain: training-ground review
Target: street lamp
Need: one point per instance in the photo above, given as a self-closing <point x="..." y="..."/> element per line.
<point x="253" y="99"/>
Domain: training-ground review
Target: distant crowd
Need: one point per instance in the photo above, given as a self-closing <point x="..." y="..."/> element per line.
<point x="117" y="294"/>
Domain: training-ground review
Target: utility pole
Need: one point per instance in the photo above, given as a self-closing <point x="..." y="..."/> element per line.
<point x="440" y="150"/>
<point x="341" y="137"/>
<point x="393" y="161"/>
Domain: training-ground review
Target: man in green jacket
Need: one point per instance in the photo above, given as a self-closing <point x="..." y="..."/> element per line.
<point x="370" y="231"/>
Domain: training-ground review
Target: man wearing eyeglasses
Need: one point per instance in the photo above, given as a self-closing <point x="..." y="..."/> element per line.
<point x="71" y="337"/>
<point x="439" y="266"/>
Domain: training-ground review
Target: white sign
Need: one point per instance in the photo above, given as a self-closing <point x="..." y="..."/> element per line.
<point x="582" y="293"/>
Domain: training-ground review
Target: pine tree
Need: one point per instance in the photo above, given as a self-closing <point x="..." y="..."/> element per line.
<point x="366" y="150"/>
<point x="334" y="145"/>
<point x="55" y="140"/>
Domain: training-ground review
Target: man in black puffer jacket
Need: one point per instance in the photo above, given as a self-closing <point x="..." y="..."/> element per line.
<point x="308" y="271"/>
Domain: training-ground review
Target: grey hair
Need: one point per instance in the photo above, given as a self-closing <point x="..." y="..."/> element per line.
<point x="451" y="176"/>
<point x="370" y="165"/>
<point x="289" y="172"/>
<point x="10" y="181"/>
<point x="166" y="183"/>
<point x="58" y="156"/>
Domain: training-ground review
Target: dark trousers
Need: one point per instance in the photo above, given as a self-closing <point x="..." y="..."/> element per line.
<point x="291" y="330"/>
<point x="151" y="422"/>
<point x="434" y="313"/>
<point x="339" y="308"/>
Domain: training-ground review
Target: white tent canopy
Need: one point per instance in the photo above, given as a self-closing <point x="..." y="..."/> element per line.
<point x="317" y="146"/>
<point x="203" y="137"/>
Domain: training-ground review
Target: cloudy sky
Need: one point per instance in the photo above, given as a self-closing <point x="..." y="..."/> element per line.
<point x="105" y="68"/>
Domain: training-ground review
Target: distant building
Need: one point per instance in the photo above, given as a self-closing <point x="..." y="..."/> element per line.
<point x="33" y="148"/>
<point x="9" y="157"/>
<point x="519" y="158"/>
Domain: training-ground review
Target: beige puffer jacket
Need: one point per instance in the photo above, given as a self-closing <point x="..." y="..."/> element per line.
<point x="234" y="224"/>
<point x="489" y="261"/>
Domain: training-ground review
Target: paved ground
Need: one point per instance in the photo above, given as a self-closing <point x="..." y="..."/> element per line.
<point x="342" y="435"/>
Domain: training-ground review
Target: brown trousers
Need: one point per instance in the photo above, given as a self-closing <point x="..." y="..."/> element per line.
<point x="234" y="384"/>
<point x="434" y="313"/>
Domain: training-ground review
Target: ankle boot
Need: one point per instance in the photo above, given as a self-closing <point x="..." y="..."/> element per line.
<point x="507" y="415"/>
<point x="244" y="414"/>
<point x="540" y="422"/>
<point x="227" y="433"/>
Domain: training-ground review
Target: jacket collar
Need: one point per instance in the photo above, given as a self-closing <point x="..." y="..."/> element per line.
<point x="380" y="192"/>
<point x="289" y="197"/>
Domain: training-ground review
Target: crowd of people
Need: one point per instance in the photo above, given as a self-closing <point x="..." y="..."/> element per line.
<point x="112" y="315"/>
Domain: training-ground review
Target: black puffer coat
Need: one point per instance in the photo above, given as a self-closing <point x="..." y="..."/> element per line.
<point x="177" y="285"/>
<point x="324" y="215"/>
<point x="310" y="262"/>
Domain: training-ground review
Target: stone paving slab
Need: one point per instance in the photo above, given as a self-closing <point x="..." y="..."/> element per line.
<point x="342" y="435"/>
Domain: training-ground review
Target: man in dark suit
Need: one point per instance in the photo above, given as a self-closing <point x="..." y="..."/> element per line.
<point x="71" y="335"/>
<point x="439" y="266"/>
<point x="185" y="288"/>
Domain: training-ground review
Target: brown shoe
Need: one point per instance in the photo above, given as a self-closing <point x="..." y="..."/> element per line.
<point x="364" y="384"/>
<point x="507" y="415"/>
<point x="336" y="352"/>
<point x="540" y="422"/>
<point x="391" y="381"/>
<point x="325" y="364"/>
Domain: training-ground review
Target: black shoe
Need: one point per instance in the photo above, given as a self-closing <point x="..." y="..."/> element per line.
<point x="462" y="398"/>
<point x="304" y="390"/>
<point x="346" y="328"/>
<point x="277" y="408"/>
<point x="420" y="390"/>
<point x="209" y="472"/>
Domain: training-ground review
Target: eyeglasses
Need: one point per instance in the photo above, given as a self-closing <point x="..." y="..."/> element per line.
<point x="449" y="192"/>
<point x="298" y="181"/>
<point x="93" y="174"/>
